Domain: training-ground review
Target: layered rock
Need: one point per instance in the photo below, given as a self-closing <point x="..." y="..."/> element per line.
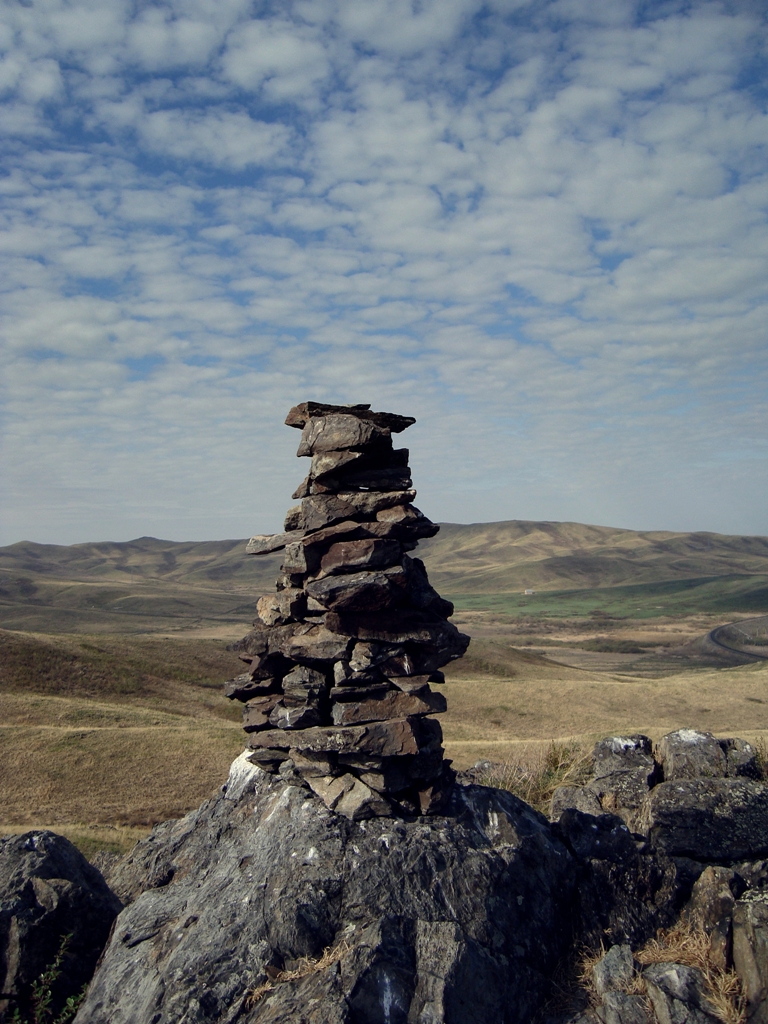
<point x="264" y="905"/>
<point x="342" y="654"/>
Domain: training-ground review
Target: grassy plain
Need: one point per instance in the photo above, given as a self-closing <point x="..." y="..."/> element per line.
<point x="112" y="658"/>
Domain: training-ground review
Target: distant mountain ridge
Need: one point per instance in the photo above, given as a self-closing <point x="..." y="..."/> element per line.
<point x="512" y="555"/>
<point x="146" y="580"/>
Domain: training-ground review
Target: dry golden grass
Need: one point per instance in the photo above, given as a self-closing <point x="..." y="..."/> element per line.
<point x="127" y="776"/>
<point x="688" y="945"/>
<point x="538" y="771"/>
<point x="681" y="944"/>
<point x="89" y="839"/>
<point x="504" y="719"/>
<point x="307" y="965"/>
<point x="127" y="731"/>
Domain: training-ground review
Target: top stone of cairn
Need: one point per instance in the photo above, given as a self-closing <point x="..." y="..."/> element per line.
<point x="337" y="692"/>
<point x="301" y="414"/>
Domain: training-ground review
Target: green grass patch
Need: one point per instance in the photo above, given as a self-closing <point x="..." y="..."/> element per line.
<point x="719" y="594"/>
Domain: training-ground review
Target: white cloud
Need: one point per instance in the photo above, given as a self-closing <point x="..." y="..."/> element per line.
<point x="284" y="59"/>
<point x="540" y="227"/>
<point x="220" y="138"/>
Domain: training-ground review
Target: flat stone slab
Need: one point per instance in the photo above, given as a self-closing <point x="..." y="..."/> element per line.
<point x="393" y="738"/>
<point x="266" y="543"/>
<point x="300" y="415"/>
<point x="339" y="431"/>
<point x="394" y="704"/>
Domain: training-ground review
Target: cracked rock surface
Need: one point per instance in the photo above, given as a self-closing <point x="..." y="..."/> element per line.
<point x="458" y="918"/>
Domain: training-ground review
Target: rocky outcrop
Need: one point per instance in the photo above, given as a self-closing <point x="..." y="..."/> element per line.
<point x="53" y="903"/>
<point x="458" y="918"/>
<point x="267" y="905"/>
<point x="694" y="796"/>
<point x="698" y="810"/>
<point x="342" y="654"/>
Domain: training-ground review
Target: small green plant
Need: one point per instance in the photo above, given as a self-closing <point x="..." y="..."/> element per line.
<point x="41" y="1009"/>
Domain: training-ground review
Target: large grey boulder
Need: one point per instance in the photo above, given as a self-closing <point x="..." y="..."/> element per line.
<point x="690" y="754"/>
<point x="457" y="919"/>
<point x="49" y="891"/>
<point x="720" y="820"/>
<point x="624" y="890"/>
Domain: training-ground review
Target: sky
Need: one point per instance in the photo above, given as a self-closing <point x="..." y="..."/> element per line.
<point x="538" y="227"/>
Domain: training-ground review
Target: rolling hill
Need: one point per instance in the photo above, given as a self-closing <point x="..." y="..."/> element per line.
<point x="149" y="584"/>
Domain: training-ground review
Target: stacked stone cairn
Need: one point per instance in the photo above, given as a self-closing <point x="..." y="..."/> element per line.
<point x="341" y="657"/>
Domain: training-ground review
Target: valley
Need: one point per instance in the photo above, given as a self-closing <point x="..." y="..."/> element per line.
<point x="112" y="658"/>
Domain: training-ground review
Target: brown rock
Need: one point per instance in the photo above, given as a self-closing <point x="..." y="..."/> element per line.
<point x="332" y="462"/>
<point x="338" y="431"/>
<point x="330" y="788"/>
<point x="407" y="521"/>
<point x="312" y="766"/>
<point x="319" y="510"/>
<point x="257" y="711"/>
<point x="357" y="693"/>
<point x="317" y="643"/>
<point x="345" y="675"/>
<point x="293" y="519"/>
<point x="347" y="795"/>
<point x="433" y="642"/>
<point x="305" y="684"/>
<point x="380" y="739"/>
<point x="410" y="662"/>
<point x="393" y="704"/>
<point x="400" y="514"/>
<point x="362" y="591"/>
<point x="287" y="715"/>
<point x="339" y="465"/>
<point x="346" y="556"/>
<point x="412" y="684"/>
<point x="269" y="758"/>
<point x="268" y="666"/>
<point x="244" y="687"/>
<point x="366" y="655"/>
<point x="390" y="779"/>
<point x="255" y="641"/>
<point x="285" y="606"/>
<point x="360" y="802"/>
<point x="264" y="543"/>
<point x="394" y="479"/>
<point x="300" y="559"/>
<point x="421" y="593"/>
<point x="301" y="414"/>
<point x="303" y="489"/>
<point x="349" y="529"/>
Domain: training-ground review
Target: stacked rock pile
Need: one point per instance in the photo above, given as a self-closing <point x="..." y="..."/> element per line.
<point x="341" y="657"/>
